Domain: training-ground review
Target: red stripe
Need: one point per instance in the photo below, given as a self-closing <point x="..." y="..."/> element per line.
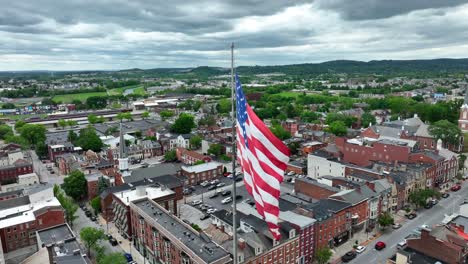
<point x="266" y="132"/>
<point x="258" y="145"/>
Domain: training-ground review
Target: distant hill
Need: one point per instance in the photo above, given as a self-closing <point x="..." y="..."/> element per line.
<point x="437" y="67"/>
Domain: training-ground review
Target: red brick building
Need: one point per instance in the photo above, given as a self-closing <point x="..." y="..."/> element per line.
<point x="60" y="149"/>
<point x="10" y="173"/>
<point x="190" y="157"/>
<point x="203" y="172"/>
<point x="18" y="228"/>
<point x="162" y="237"/>
<point x="290" y="125"/>
<point x="314" y="189"/>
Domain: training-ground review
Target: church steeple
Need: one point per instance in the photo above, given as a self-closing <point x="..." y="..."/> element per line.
<point x="123" y="161"/>
<point x="465" y="101"/>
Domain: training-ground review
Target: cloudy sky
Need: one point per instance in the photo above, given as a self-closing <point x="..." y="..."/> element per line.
<point x="119" y="34"/>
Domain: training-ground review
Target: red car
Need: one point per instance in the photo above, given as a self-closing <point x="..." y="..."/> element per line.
<point x="380" y="245"/>
<point x="455" y="188"/>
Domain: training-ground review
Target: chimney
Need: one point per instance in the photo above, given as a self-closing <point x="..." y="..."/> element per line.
<point x="241" y="243"/>
<point x="415" y="115"/>
<point x="398" y="118"/>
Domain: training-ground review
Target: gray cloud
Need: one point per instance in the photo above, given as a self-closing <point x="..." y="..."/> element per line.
<point x="114" y="34"/>
<point x="377" y="9"/>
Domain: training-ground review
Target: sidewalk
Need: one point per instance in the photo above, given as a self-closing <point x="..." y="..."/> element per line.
<point x="363" y="239"/>
<point x="125" y="244"/>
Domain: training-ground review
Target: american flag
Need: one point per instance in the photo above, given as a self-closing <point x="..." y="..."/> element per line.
<point x="263" y="159"/>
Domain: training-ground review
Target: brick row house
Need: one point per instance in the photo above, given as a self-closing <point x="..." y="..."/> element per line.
<point x="190" y="157"/>
<point x="203" y="172"/>
<point x="24" y="216"/>
<point x="163" y="238"/>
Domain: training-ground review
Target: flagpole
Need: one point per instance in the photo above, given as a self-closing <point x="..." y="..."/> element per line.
<point x="233" y="151"/>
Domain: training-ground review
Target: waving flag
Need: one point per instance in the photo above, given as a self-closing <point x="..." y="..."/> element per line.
<point x="263" y="159"/>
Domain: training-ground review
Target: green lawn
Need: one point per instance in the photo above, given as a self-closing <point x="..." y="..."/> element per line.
<point x="289" y="94"/>
<point x="67" y="98"/>
<point x="140" y="90"/>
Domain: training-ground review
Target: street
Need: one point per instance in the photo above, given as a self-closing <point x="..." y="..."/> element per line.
<point x="429" y="217"/>
<point x="41" y="171"/>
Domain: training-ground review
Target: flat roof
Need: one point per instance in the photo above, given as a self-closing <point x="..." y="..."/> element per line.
<point x="24" y="213"/>
<point x="201" y="167"/>
<point x="200" y="244"/>
<point x="151" y="192"/>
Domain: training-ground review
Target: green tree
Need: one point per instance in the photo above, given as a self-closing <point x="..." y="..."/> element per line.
<point x="8" y="106"/>
<point x="96" y="102"/>
<point x="72" y="123"/>
<point x="88" y="139"/>
<point x="195" y="142"/>
<point x="367" y="118"/>
<point x="112" y="258"/>
<point x="207" y="121"/>
<point x="224" y="106"/>
<point x="323" y="255"/>
<point x="165" y="114"/>
<point x="75" y="185"/>
<point x="62" y="123"/>
<point x="145" y="115"/>
<point x="198" y="162"/>
<point x="419" y="197"/>
<point x="33" y="133"/>
<point x="448" y="132"/>
<point x="102" y="185"/>
<point x="96" y="204"/>
<point x="41" y="150"/>
<point x="196" y="105"/>
<point x="461" y="161"/>
<point x="68" y="205"/>
<point x="215" y="149"/>
<point x="5" y="130"/>
<point x="124" y="115"/>
<point x="170" y="155"/>
<point x="17" y="140"/>
<point x="48" y="101"/>
<point x="72" y="136"/>
<point x="184" y="124"/>
<point x="309" y="116"/>
<point x="385" y="220"/>
<point x="91" y="237"/>
<point x="19" y="124"/>
<point x="280" y="132"/>
<point x="294" y="147"/>
<point x="92" y="119"/>
<point x="338" y="128"/>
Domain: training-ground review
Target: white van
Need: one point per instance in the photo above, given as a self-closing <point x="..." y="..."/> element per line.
<point x="401" y="245"/>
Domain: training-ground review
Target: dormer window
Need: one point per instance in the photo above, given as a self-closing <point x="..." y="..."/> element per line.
<point x="292" y="233"/>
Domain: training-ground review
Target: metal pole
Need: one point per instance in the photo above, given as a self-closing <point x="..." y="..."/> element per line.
<point x="233" y="133"/>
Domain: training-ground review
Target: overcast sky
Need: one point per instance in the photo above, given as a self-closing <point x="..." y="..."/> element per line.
<point x="119" y="34"/>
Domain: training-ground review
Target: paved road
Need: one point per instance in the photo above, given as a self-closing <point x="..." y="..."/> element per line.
<point x="429" y="217"/>
<point x="41" y="170"/>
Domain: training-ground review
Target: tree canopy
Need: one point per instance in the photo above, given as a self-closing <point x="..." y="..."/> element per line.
<point x="280" y="132"/>
<point x="367" y="118"/>
<point x="170" y="155"/>
<point x="96" y="102"/>
<point x="88" y="139"/>
<point x="183" y="124"/>
<point x="91" y="237"/>
<point x="215" y="149"/>
<point x="75" y="185"/>
<point x="323" y="255"/>
<point x="195" y="142"/>
<point x="165" y="114"/>
<point x="338" y="128"/>
<point x="112" y="258"/>
<point x="5" y="130"/>
<point x="34" y="134"/>
<point x="385" y="219"/>
<point x="448" y="132"/>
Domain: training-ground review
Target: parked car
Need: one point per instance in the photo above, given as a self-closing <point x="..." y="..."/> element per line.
<point x="204" y="184"/>
<point x="113" y="242"/>
<point x="226" y="193"/>
<point x="360" y="249"/>
<point x="396" y="226"/>
<point x="239" y="178"/>
<point x="187" y="191"/>
<point x="93" y="218"/>
<point x="401" y="245"/>
<point x="348" y="256"/>
<point x="88" y="213"/>
<point x="428" y="205"/>
<point x="238" y="197"/>
<point x="196" y="202"/>
<point x="445" y="195"/>
<point x="380" y="245"/>
<point x="212" y="187"/>
<point x="221" y="184"/>
<point x="211" y="210"/>
<point x="204" y="217"/>
<point x="214" y="182"/>
<point x="411" y="215"/>
<point x="109" y="236"/>
<point x="226" y="200"/>
<point x="434" y="201"/>
<point x="128" y="257"/>
<point x="214" y="195"/>
<point x="144" y="165"/>
<point x="456" y="188"/>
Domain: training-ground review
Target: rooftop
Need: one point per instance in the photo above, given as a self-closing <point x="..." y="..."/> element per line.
<point x="24" y="213"/>
<point x="198" y="243"/>
<point x="152" y="192"/>
<point x="202" y="167"/>
<point x="153" y="171"/>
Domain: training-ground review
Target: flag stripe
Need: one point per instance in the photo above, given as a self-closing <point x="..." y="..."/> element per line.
<point x="263" y="159"/>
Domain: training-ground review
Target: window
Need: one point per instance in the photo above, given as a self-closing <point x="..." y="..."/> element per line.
<point x="40" y="221"/>
<point x="8" y="230"/>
